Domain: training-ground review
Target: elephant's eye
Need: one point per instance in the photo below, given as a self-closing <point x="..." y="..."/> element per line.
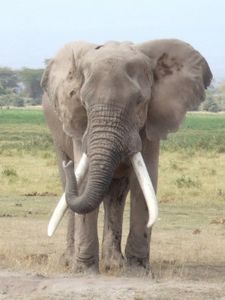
<point x="139" y="100"/>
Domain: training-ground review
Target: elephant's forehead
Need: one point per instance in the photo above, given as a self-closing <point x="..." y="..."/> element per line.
<point x="112" y="55"/>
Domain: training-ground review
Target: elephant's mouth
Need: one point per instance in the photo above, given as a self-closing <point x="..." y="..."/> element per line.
<point x="124" y="169"/>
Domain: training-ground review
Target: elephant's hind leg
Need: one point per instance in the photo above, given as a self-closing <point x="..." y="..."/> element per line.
<point x="112" y="258"/>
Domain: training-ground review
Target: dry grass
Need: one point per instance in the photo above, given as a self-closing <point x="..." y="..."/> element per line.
<point x="28" y="174"/>
<point x="196" y="178"/>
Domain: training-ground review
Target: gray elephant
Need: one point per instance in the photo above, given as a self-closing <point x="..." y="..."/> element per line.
<point x="105" y="105"/>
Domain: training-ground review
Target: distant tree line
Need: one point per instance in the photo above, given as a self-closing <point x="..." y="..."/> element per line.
<point x="20" y="87"/>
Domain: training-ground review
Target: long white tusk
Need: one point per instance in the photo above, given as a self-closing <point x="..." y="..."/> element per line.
<point x="146" y="186"/>
<point x="62" y="205"/>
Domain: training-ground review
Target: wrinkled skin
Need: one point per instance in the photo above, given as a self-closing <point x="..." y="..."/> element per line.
<point x="112" y="101"/>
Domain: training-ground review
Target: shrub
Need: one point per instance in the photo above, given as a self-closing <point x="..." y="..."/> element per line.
<point x="9" y="172"/>
<point x="210" y="105"/>
<point x="19" y="102"/>
<point x="186" y="181"/>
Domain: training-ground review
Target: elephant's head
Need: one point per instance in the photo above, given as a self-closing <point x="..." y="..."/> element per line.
<point x="118" y="94"/>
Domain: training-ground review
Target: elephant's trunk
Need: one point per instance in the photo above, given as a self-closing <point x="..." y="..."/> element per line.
<point x="106" y="146"/>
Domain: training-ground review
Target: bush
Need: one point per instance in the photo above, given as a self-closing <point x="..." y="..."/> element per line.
<point x="19" y="102"/>
<point x="210" y="105"/>
<point x="36" y="101"/>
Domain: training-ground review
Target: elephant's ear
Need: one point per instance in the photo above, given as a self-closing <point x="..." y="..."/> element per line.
<point x="62" y="81"/>
<point x="181" y="76"/>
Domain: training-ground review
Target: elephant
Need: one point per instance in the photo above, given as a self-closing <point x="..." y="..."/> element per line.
<point x="107" y="107"/>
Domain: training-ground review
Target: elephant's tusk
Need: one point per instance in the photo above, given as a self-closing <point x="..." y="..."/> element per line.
<point x="146" y="186"/>
<point x="62" y="205"/>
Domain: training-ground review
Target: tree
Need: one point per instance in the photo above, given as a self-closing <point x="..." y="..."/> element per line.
<point x="31" y="79"/>
<point x="8" y="81"/>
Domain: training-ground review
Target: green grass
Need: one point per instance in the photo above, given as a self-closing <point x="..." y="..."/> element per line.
<point x="198" y="132"/>
<point x="21" y="116"/>
<point x="26" y="150"/>
<point x="23" y="130"/>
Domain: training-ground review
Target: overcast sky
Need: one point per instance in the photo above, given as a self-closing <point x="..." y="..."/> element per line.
<point x="33" y="30"/>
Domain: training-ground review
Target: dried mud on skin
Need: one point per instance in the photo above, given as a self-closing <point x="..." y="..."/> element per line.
<point x="18" y="285"/>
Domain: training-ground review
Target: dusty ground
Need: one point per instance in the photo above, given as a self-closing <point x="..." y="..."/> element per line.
<point x="18" y="285"/>
<point x="188" y="261"/>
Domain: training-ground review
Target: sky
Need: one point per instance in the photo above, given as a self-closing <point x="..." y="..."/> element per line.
<point x="34" y="30"/>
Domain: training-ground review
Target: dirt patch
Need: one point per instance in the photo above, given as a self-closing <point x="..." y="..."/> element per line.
<point x="18" y="285"/>
<point x="36" y="194"/>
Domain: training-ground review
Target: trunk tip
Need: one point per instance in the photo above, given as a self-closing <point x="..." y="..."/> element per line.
<point x="68" y="164"/>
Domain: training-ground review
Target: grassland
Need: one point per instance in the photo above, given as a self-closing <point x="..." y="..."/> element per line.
<point x="190" y="233"/>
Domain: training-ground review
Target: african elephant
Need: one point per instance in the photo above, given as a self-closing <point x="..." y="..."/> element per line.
<point x="112" y="102"/>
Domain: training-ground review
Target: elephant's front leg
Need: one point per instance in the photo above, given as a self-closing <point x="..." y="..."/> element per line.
<point x="138" y="242"/>
<point x="112" y="258"/>
<point x="86" y="245"/>
<point x="66" y="258"/>
<point x="86" y="235"/>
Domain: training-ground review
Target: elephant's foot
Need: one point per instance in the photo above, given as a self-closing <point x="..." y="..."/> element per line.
<point x="90" y="266"/>
<point x="112" y="262"/>
<point x="138" y="267"/>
